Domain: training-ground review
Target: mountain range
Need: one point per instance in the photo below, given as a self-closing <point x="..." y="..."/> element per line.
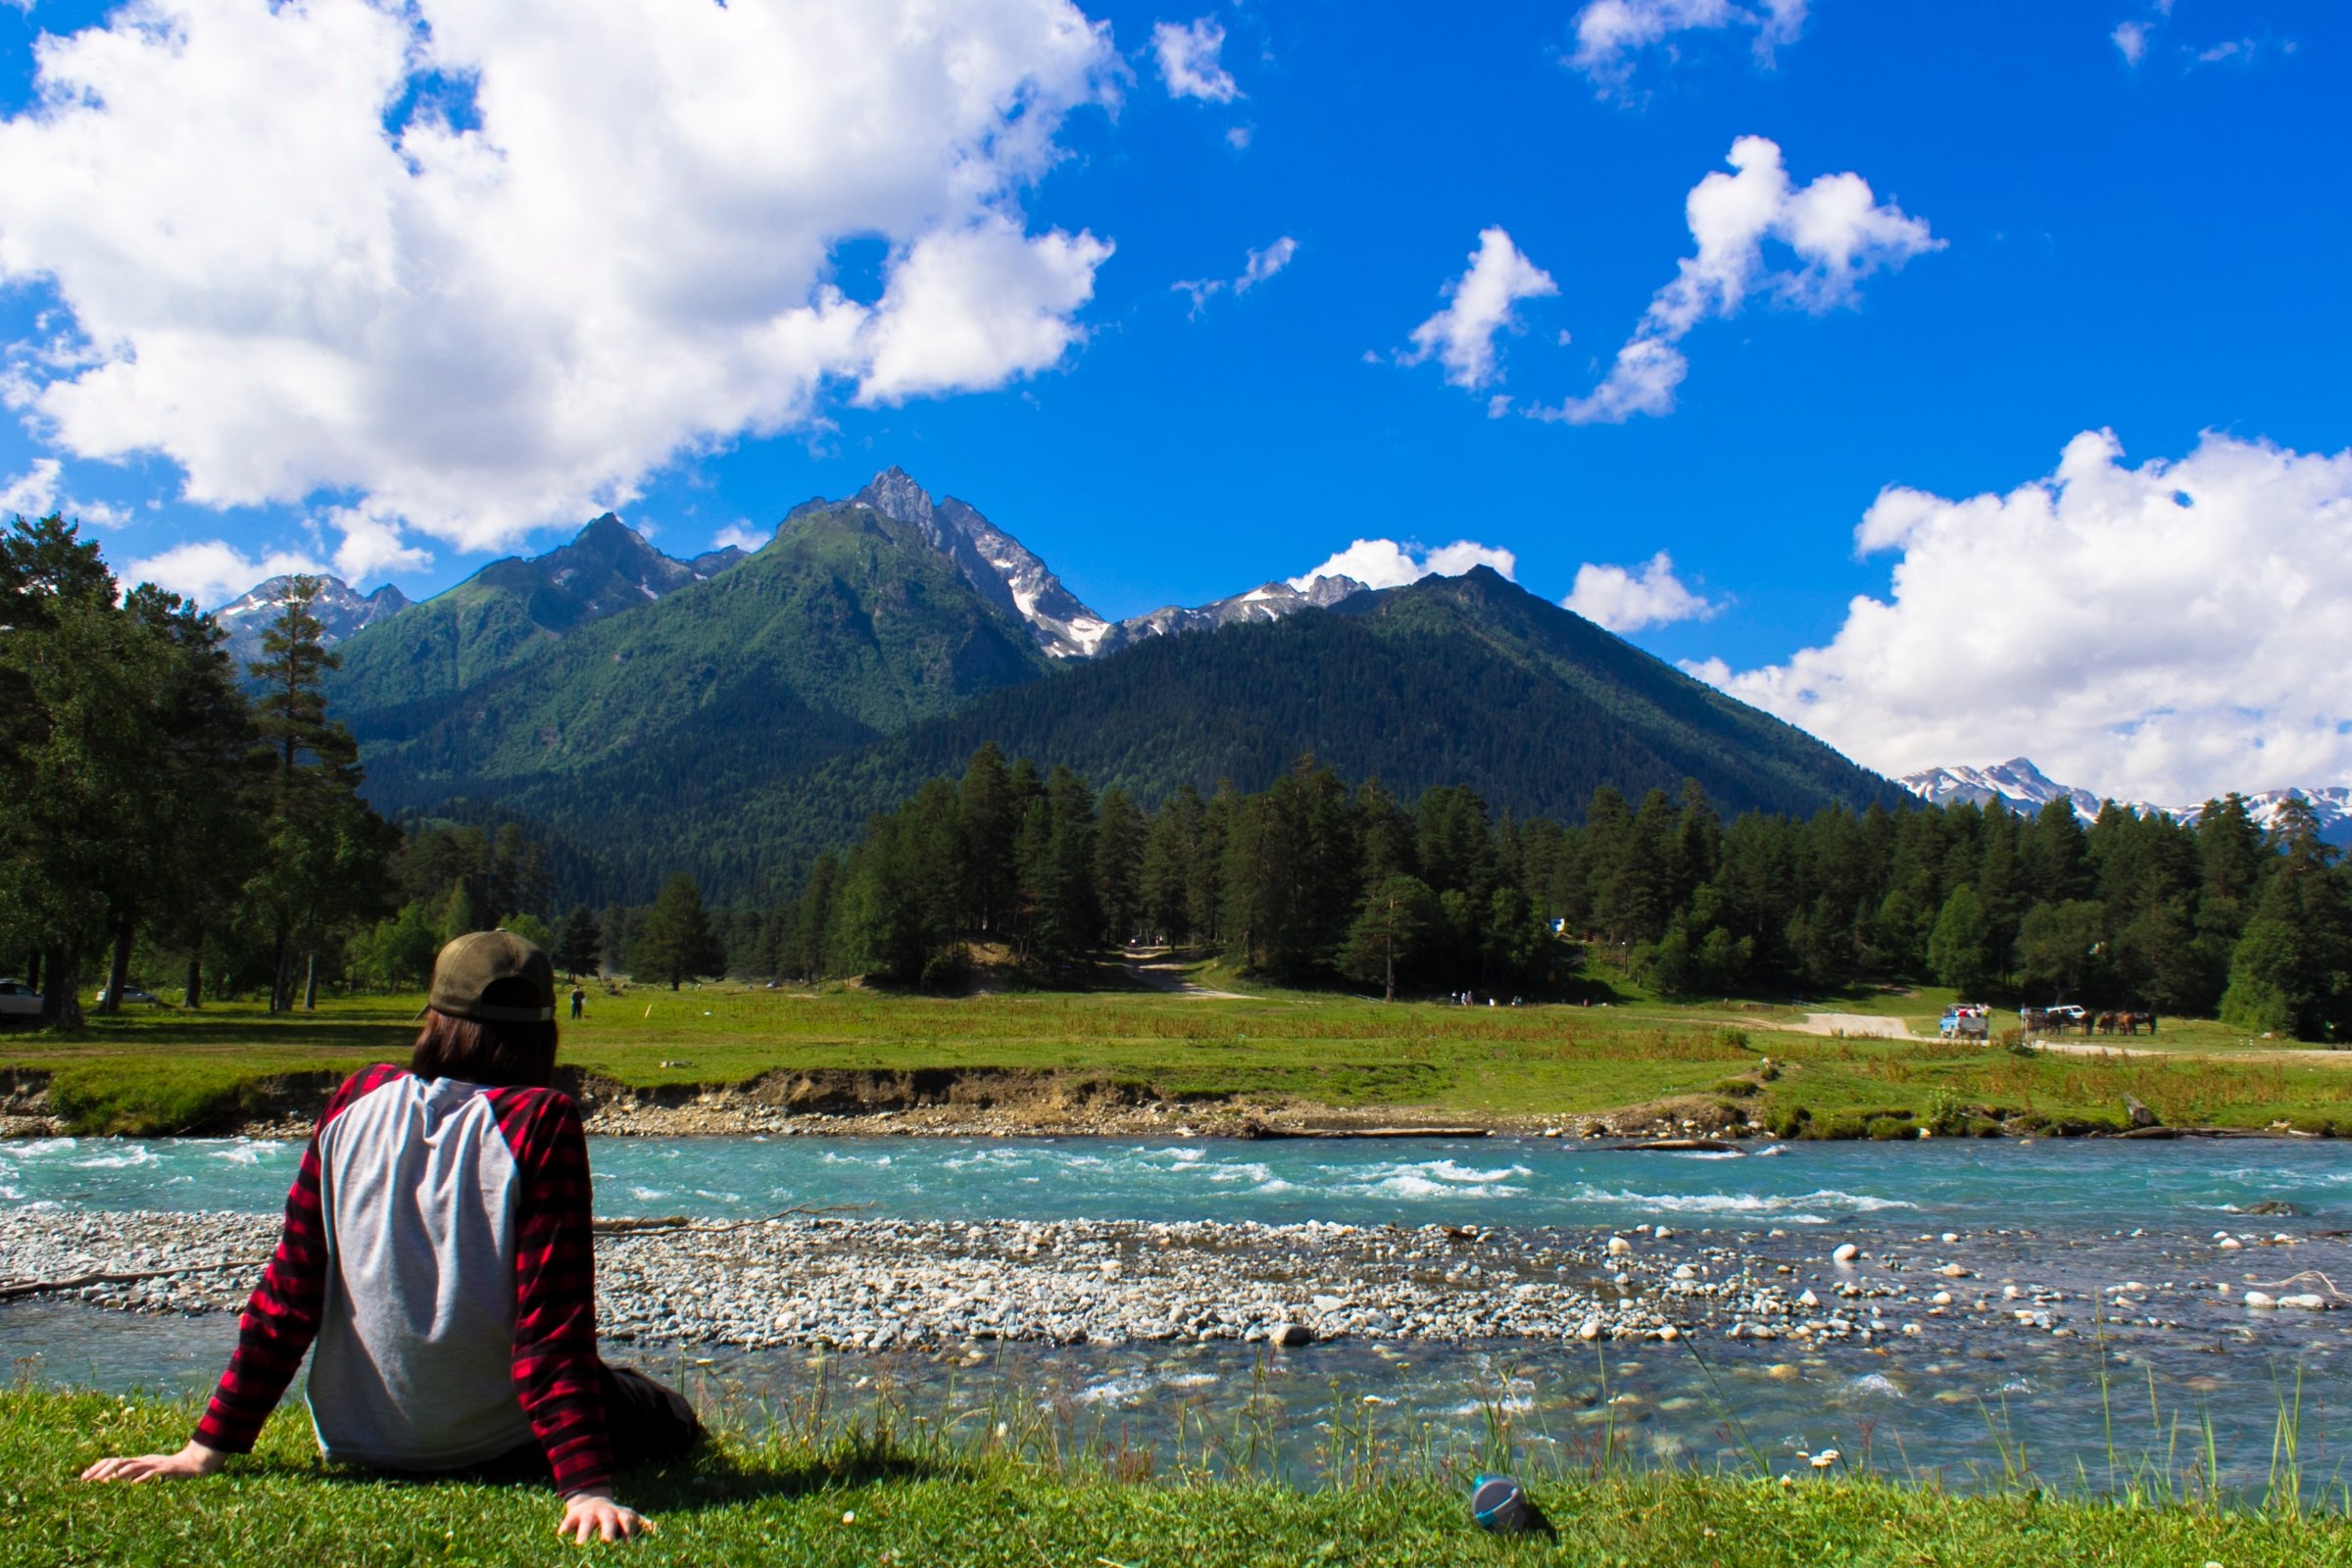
<point x="732" y="714"/>
<point x="2023" y="787"/>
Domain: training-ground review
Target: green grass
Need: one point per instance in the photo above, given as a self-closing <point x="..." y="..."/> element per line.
<point x="867" y="1496"/>
<point x="159" y="1070"/>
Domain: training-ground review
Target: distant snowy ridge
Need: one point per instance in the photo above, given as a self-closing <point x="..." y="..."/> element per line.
<point x="2022" y="787"/>
<point x="1271" y="601"/>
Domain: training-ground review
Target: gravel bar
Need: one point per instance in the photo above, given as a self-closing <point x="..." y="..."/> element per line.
<point x="903" y="1285"/>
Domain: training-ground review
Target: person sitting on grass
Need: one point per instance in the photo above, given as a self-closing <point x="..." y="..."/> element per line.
<point x="437" y="1249"/>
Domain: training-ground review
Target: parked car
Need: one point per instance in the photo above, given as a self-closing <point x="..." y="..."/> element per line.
<point x="18" y="1001"/>
<point x="134" y="993"/>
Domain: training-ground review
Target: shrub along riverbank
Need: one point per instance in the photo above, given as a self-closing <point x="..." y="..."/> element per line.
<point x="165" y="1070"/>
<point x="867" y="1496"/>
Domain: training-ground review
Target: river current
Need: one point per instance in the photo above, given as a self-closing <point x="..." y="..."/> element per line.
<point x="2056" y="1185"/>
<point x="2083" y="1216"/>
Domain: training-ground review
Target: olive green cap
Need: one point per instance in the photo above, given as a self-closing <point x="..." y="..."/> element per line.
<point x="475" y="961"/>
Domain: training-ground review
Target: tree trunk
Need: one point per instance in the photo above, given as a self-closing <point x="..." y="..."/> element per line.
<point x="118" y="969"/>
<point x="278" y="990"/>
<point x="61" y="1000"/>
<point x="1392" y="965"/>
<point x="192" y="992"/>
<point x="32" y="969"/>
<point x="310" y="983"/>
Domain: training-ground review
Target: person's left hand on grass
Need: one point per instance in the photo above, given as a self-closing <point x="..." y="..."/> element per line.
<point x="193" y="1460"/>
<point x="594" y="1516"/>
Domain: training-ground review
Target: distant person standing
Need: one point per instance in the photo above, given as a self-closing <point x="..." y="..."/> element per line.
<point x="579" y="1000"/>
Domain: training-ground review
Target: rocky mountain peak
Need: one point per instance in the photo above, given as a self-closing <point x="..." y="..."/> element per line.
<point x="341" y="611"/>
<point x="893" y="493"/>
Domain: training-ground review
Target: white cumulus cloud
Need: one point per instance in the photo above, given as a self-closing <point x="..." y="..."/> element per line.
<point x="474" y="266"/>
<point x="1482" y="302"/>
<point x="2163" y="632"/>
<point x="1611" y="36"/>
<point x="1836" y="228"/>
<point x="1385" y="563"/>
<point x="32" y="493"/>
<point x="41" y="490"/>
<point x="212" y="572"/>
<point x="738" y="535"/>
<point x="1627" y="599"/>
<point x="2131" y="39"/>
<point x="1189" y="60"/>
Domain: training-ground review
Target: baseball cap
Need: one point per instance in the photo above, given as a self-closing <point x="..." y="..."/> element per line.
<point x="469" y="965"/>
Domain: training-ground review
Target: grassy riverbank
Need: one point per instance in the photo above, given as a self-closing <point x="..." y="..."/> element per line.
<point x="159" y="1070"/>
<point x="853" y="1496"/>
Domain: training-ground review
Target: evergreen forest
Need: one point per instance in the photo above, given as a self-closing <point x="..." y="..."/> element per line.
<point x="1310" y="881"/>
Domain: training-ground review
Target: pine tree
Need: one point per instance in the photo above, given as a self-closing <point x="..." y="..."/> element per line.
<point x="677" y="943"/>
<point x="578" y="947"/>
<point x="72" y="674"/>
<point x="186" y="842"/>
<point x="1958" y="953"/>
<point x="1388" y="931"/>
<point x="2291" y="973"/>
<point x="1119" y="832"/>
<point x="1169" y="847"/>
<point x="325" y="852"/>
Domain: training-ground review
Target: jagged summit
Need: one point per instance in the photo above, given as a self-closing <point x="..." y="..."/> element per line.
<point x="1006" y="572"/>
<point x="341" y="608"/>
<point x="1003" y="570"/>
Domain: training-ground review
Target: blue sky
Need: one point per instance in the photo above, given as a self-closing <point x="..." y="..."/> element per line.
<point x="2124" y="218"/>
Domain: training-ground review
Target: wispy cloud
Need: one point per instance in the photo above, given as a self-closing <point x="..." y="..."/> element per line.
<point x="1259" y="266"/>
<point x="1189" y="61"/>
<point x="1481" y="303"/>
<point x="1612" y="36"/>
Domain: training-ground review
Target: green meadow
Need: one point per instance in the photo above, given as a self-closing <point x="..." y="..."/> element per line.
<point x="159" y="1070"/>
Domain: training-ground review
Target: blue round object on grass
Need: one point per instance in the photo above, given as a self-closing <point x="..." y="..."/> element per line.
<point x="1497" y="1504"/>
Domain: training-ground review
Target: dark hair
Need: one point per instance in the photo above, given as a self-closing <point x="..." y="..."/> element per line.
<point x="479" y="1051"/>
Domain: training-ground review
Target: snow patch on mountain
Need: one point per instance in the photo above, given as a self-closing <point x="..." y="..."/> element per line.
<point x="1269" y="601"/>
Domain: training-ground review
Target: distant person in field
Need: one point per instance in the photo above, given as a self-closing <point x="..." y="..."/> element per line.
<point x="437" y="1251"/>
<point x="579" y="1000"/>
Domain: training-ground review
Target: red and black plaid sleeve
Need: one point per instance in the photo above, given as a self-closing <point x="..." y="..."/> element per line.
<point x="281" y="1317"/>
<point x="556" y="1371"/>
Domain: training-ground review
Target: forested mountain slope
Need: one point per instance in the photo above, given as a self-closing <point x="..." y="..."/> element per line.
<point x="508" y="612"/>
<point x="1463" y="680"/>
<point x="846" y="627"/>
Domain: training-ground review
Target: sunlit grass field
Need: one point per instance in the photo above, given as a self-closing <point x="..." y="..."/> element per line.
<point x="161" y="1069"/>
<point x="862" y="1495"/>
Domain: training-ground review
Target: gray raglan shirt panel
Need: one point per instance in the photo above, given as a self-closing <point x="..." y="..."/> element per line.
<point x="419" y="1194"/>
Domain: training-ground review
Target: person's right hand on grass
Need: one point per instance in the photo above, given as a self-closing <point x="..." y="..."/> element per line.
<point x="193" y="1460"/>
<point x="594" y="1516"/>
